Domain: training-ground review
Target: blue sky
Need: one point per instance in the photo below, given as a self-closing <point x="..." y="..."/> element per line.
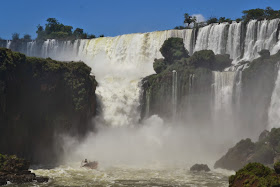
<point x="116" y="17"/>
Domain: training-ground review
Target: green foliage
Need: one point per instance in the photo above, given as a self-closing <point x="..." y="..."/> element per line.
<point x="180" y="27"/>
<point x="159" y="65"/>
<point x="189" y="19"/>
<point x="212" y="20"/>
<point x="203" y="58"/>
<point x="12" y="163"/>
<point x="55" y="30"/>
<point x="173" y="49"/>
<point x="254" y="174"/>
<point x="260" y="14"/>
<point x="223" y="19"/>
<point x="15" y="36"/>
<point x="221" y="62"/>
<point x="27" y="38"/>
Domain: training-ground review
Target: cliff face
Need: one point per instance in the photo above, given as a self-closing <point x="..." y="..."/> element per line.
<point x="41" y="99"/>
<point x="193" y="93"/>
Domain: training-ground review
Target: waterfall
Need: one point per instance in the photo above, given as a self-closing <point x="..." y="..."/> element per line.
<point x="234" y="42"/>
<point x="174" y="93"/>
<point x="260" y="35"/>
<point x="212" y="37"/>
<point x="9" y="42"/>
<point x="120" y="62"/>
<point x="274" y="109"/>
<point x="223" y="84"/>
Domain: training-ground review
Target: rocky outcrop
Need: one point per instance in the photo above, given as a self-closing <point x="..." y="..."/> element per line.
<point x="200" y="167"/>
<point x="41" y="99"/>
<point x="265" y="151"/>
<point x="15" y="170"/>
<point x="255" y="174"/>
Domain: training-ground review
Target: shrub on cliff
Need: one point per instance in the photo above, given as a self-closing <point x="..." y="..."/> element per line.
<point x="221" y="62"/>
<point x="12" y="163"/>
<point x="173" y="49"/>
<point x="255" y="174"/>
<point x="203" y="58"/>
<point x="159" y="65"/>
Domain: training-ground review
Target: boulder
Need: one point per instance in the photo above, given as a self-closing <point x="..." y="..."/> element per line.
<point x="15" y="170"/>
<point x="42" y="179"/>
<point x="200" y="167"/>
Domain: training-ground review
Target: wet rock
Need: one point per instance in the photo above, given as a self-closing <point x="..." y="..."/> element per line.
<point x="277" y="167"/>
<point x="3" y="181"/>
<point x="21" y="178"/>
<point x="237" y="156"/>
<point x="42" y="179"/>
<point x="15" y="170"/>
<point x="200" y="167"/>
<point x="263" y="135"/>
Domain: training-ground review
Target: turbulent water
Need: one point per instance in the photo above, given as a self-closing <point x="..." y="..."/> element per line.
<point x="124" y="176"/>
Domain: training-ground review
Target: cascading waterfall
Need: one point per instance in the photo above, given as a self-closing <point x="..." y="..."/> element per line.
<point x="9" y="42"/>
<point x="120" y="62"/>
<point x="234" y="42"/>
<point x="174" y="93"/>
<point x="274" y="109"/>
<point x="223" y="84"/>
<point x="213" y="37"/>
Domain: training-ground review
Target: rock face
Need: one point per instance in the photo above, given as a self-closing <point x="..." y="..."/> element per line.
<point x="15" y="170"/>
<point x="263" y="135"/>
<point x="265" y="151"/>
<point x="40" y="99"/>
<point x="255" y="174"/>
<point x="200" y="167"/>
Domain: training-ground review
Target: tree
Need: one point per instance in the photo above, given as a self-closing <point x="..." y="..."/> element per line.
<point x="189" y="19"/>
<point x="91" y="36"/>
<point x="258" y="14"/>
<point x="173" y="49"/>
<point x="78" y="32"/>
<point x="27" y="37"/>
<point x="102" y="35"/>
<point x="212" y="20"/>
<point x="15" y="36"/>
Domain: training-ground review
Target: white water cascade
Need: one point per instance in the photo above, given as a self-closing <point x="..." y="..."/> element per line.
<point x="274" y="109"/>
<point x="174" y="93"/>
<point x="223" y="84"/>
<point x="118" y="63"/>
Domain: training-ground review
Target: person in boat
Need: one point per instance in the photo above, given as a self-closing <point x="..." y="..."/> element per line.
<point x="84" y="163"/>
<point x="89" y="165"/>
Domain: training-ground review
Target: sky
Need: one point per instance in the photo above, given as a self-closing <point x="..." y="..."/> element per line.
<point x="116" y="17"/>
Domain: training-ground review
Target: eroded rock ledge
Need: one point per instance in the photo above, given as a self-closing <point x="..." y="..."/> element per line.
<point x="16" y="170"/>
